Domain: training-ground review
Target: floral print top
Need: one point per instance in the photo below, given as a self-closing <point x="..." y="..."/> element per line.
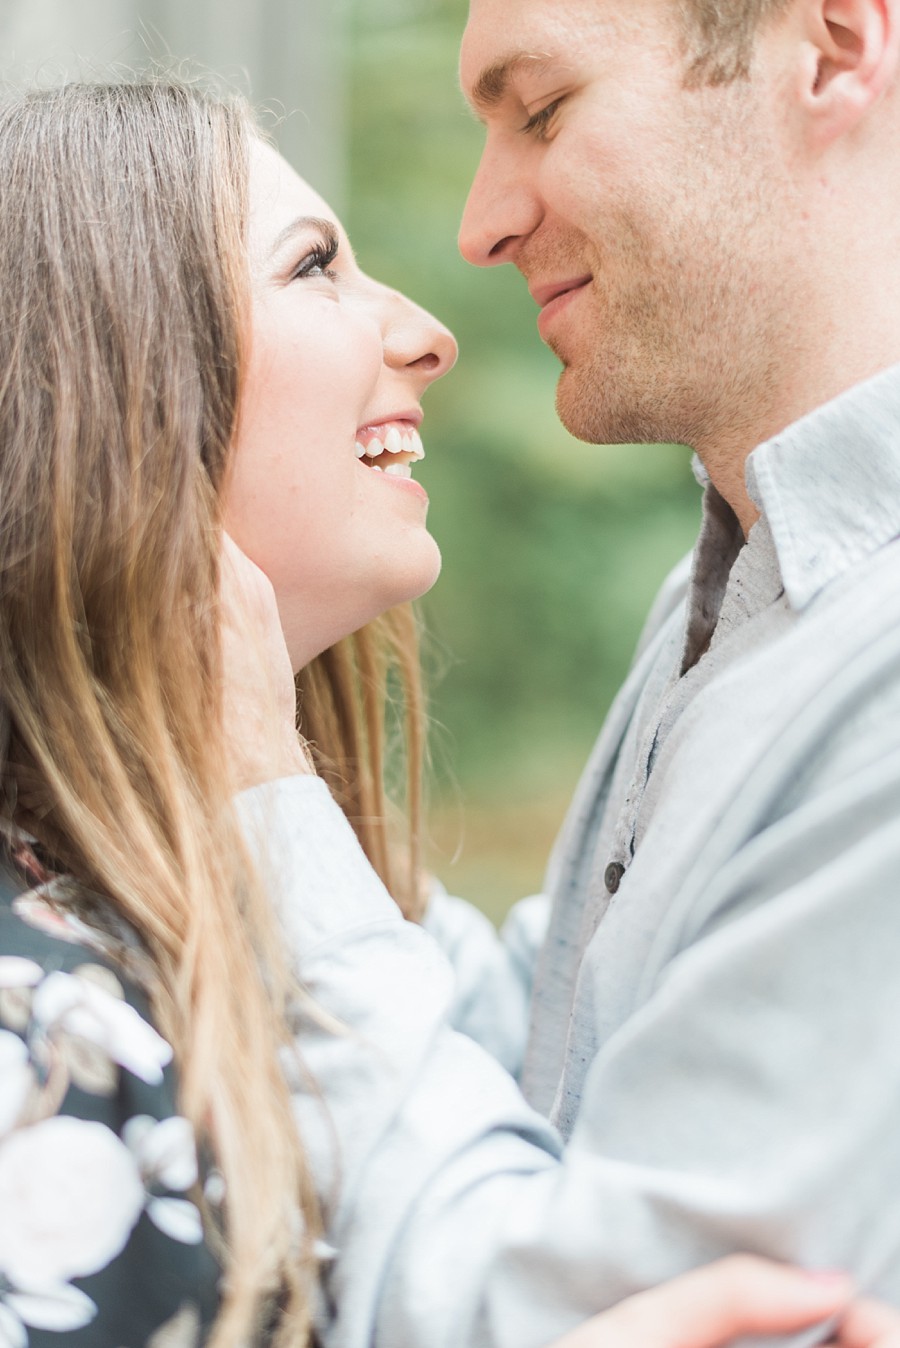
<point x="101" y="1239"/>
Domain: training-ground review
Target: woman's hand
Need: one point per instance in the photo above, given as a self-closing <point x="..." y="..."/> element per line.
<point x="259" y="698"/>
<point x="870" y="1324"/>
<point x="734" y="1297"/>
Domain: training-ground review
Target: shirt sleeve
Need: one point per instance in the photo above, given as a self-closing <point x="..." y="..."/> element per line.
<point x="493" y="972"/>
<point x="749" y="1103"/>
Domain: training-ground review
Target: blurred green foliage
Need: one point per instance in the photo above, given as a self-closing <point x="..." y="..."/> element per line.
<point x="552" y="549"/>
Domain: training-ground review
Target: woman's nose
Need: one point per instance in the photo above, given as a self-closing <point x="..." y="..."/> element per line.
<point x="414" y="340"/>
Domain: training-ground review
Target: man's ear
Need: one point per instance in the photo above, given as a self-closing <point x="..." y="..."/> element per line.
<point x="851" y="59"/>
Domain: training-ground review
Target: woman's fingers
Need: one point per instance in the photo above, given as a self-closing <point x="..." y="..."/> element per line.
<point x="259" y="702"/>
<point x="869" y="1324"/>
<point x="713" y="1305"/>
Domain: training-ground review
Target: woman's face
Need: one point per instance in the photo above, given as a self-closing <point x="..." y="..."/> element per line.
<point x="337" y="364"/>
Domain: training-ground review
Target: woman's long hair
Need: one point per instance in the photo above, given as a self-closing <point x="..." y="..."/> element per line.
<point x="124" y="305"/>
<point x="361" y="709"/>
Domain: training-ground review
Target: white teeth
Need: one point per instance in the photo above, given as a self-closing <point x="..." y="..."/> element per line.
<point x="396" y="441"/>
<point x="376" y="469"/>
<point x="397" y="470"/>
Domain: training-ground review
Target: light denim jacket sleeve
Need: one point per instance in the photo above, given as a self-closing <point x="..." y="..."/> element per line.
<point x="750" y="1102"/>
<point x="493" y="972"/>
<point x="401" y="1093"/>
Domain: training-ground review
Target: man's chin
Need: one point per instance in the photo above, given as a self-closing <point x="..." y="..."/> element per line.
<point x="580" y="406"/>
<point x="599" y="411"/>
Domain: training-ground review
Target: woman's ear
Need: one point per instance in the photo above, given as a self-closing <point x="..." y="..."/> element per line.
<point x="851" y="59"/>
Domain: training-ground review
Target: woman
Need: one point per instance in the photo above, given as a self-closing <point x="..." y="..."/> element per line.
<point x="126" y="290"/>
<point x="177" y="358"/>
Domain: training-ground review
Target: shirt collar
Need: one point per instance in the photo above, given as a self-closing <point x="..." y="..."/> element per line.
<point x="829" y="485"/>
<point x="718" y="545"/>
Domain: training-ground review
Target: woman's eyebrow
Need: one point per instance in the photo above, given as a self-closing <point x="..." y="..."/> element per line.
<point x="302" y="224"/>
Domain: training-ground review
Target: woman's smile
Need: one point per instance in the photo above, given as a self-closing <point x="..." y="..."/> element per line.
<point x="335" y="360"/>
<point x="390" y="447"/>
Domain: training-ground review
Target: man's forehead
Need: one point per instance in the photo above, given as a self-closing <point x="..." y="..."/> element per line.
<point x="498" y="30"/>
<point x="505" y="38"/>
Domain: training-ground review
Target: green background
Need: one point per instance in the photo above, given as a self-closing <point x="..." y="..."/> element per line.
<point x="552" y="549"/>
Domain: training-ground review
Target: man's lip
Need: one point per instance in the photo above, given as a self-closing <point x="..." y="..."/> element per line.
<point x="544" y="295"/>
<point x="557" y="304"/>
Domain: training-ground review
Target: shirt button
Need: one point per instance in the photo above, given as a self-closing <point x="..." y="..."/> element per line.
<point x="612" y="876"/>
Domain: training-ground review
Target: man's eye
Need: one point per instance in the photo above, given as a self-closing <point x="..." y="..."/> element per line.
<point x="539" y="122"/>
<point x="316" y="263"/>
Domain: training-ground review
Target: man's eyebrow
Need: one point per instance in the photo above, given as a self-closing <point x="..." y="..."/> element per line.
<point x="492" y="85"/>
<point x="302" y="223"/>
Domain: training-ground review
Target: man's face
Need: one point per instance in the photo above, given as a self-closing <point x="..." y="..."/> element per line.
<point x="650" y="221"/>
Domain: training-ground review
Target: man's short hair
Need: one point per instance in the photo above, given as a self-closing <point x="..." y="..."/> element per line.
<point x="720" y="35"/>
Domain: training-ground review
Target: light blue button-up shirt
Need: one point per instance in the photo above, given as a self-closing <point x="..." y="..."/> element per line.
<point x="717" y="1040"/>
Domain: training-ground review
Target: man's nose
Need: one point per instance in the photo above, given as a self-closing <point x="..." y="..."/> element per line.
<point x="502" y="210"/>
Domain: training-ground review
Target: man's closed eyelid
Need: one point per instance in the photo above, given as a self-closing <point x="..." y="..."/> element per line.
<point x="540" y="120"/>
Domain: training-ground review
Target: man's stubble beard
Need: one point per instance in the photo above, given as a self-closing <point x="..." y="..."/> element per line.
<point x="683" y="333"/>
<point x="672" y="355"/>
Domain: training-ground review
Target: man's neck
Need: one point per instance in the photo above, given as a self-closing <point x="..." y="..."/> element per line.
<point x="725" y="456"/>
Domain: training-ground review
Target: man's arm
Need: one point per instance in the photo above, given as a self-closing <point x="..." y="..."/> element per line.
<point x="493" y="971"/>
<point x="751" y="1103"/>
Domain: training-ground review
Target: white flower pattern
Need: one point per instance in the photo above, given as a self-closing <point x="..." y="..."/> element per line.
<point x="41" y="915"/>
<point x="78" y="1006"/>
<point x="182" y="1331"/>
<point x="72" y="1191"/>
<point x="56" y="1308"/>
<point x="16" y="1080"/>
<point x="165" y="1154"/>
<point x="17" y="972"/>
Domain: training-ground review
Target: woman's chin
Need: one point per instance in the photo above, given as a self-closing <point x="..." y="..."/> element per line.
<point x="431" y="570"/>
<point x="306" y="640"/>
<point x="407" y="576"/>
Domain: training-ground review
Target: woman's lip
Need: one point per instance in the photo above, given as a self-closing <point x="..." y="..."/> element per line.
<point x="411" y="417"/>
<point x="558" y="301"/>
<point x="408" y="484"/>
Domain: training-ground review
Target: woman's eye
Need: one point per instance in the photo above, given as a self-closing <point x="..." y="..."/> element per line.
<point x="538" y="123"/>
<point x="317" y="263"/>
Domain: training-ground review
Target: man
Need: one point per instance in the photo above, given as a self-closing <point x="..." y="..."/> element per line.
<point x="683" y="197"/>
<point x="704" y="198"/>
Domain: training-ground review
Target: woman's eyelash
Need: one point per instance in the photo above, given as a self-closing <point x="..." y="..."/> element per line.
<point x="540" y="121"/>
<point x="317" y="262"/>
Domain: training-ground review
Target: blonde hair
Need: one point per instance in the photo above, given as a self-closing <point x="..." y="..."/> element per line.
<point x="343" y="697"/>
<point x="123" y="276"/>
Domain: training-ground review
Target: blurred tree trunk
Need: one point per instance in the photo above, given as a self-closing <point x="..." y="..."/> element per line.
<point x="286" y="54"/>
